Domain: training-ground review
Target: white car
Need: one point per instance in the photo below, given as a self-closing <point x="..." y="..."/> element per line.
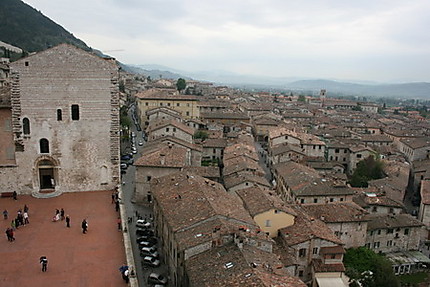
<point x="140" y="143"/>
<point x="142" y="223"/>
<point x="151" y="261"/>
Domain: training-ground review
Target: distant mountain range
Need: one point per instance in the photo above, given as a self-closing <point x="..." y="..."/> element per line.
<point x="26" y="28"/>
<point x="420" y="90"/>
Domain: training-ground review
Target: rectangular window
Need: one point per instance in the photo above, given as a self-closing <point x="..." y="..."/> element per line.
<point x="376" y="245"/>
<point x="59" y="115"/>
<point x="178" y="104"/>
<point x="336" y="150"/>
<point x="302" y="200"/>
<point x="148" y="178"/>
<point x="167" y="129"/>
<point x="390" y="230"/>
<point x="188" y="113"/>
<point x="168" y="104"/>
<point x="302" y="252"/>
<point x="300" y="273"/>
<point x="331" y="199"/>
<point x="75" y="112"/>
<point x="358" y="155"/>
<point x="406" y="231"/>
<point x="146" y="104"/>
<point x="390" y="243"/>
<point x="315" y="250"/>
<point x="315" y="200"/>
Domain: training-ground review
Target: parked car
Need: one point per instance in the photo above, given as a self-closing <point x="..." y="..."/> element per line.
<point x="141" y="223"/>
<point x="149" y="251"/>
<point x="133" y="134"/>
<point x="140" y="143"/>
<point x="150" y="239"/>
<point x="144" y="232"/>
<point x="146" y="244"/>
<point x="155" y="278"/>
<point x="134" y="151"/>
<point x="126" y="157"/>
<point x="124" y="165"/>
<point x="151" y="261"/>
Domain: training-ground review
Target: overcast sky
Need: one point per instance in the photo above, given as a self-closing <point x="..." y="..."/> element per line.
<point x="375" y="40"/>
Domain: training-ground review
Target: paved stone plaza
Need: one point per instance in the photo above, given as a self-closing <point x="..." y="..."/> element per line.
<point x="75" y="259"/>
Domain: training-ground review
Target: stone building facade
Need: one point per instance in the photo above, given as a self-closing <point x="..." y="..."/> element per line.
<point x="65" y="123"/>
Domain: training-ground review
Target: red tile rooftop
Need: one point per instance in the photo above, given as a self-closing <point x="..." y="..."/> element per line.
<point x="74" y="259"/>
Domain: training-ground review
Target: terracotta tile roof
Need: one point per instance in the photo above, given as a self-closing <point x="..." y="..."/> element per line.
<point x="332" y="250"/>
<point x="306" y="181"/>
<point x="196" y="199"/>
<point x="214" y="143"/>
<point x="284" y="148"/>
<point x="257" y="200"/>
<point x="306" y="228"/>
<point x="164" y="156"/>
<point x="156" y="125"/>
<point x="224" y="115"/>
<point x="319" y="266"/>
<point x="242" y="164"/>
<point x="204" y="171"/>
<point x="384" y="221"/>
<point x="366" y="200"/>
<point x="165" y="110"/>
<point x="336" y="211"/>
<point x="230" y="266"/>
<point x="234" y="180"/>
<point x="171" y="140"/>
<point x="416" y="143"/>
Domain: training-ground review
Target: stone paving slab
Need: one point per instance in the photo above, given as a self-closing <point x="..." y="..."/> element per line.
<point x="74" y="259"/>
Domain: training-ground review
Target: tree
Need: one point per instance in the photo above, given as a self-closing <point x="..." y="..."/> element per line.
<point x="367" y="169"/>
<point x="301" y="98"/>
<point x="369" y="269"/>
<point x="181" y="84"/>
<point x="199" y="134"/>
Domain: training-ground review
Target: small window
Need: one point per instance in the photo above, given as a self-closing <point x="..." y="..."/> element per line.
<point x="168" y="104"/>
<point x="26" y="126"/>
<point x="148" y="178"/>
<point x="188" y="113"/>
<point x="315" y="200"/>
<point x="302" y="252"/>
<point x="406" y="231"/>
<point x="178" y="104"/>
<point x="390" y="230"/>
<point x="358" y="155"/>
<point x="146" y="104"/>
<point x="161" y="104"/>
<point x="300" y="273"/>
<point x="174" y="130"/>
<point x="331" y="199"/>
<point x="44" y="146"/>
<point x="26" y="63"/>
<point x="302" y="200"/>
<point x="336" y="150"/>
<point x="188" y="105"/>
<point x="75" y="112"/>
<point x="59" y="115"/>
<point x="315" y="250"/>
<point x="379" y="231"/>
<point x="167" y="130"/>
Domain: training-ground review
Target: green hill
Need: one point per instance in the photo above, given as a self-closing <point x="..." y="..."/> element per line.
<point x="25" y="27"/>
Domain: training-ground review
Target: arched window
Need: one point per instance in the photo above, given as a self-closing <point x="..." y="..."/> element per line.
<point x="26" y="126"/>
<point x="44" y="146"/>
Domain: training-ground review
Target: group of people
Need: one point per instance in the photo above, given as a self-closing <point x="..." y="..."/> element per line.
<point x="21" y="219"/>
<point x="125" y="273"/>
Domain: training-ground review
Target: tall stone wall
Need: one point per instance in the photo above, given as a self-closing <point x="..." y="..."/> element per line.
<point x="85" y="152"/>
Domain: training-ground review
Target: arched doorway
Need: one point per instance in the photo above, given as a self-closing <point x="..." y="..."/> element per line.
<point x="47" y="175"/>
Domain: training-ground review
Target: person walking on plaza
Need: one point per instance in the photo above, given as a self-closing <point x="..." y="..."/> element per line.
<point x="25" y="215"/>
<point x="25" y="208"/>
<point x="67" y="221"/>
<point x="119" y="223"/>
<point x="9" y="234"/>
<point x="117" y="205"/>
<point x="84" y="226"/>
<point x="15" y="195"/>
<point x="62" y="213"/>
<point x="5" y="214"/>
<point x="44" y="261"/>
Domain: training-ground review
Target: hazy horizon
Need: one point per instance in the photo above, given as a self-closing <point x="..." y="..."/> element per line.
<point x="376" y="41"/>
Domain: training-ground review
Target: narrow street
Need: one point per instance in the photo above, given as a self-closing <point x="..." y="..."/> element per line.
<point x="135" y="210"/>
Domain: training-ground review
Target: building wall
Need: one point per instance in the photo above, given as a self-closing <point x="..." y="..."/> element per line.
<point x="171" y="130"/>
<point x="324" y="198"/>
<point x="352" y="234"/>
<point x="85" y="152"/>
<point x="273" y="220"/>
<point x="304" y="262"/>
<point x="340" y="155"/>
<point x="7" y="145"/>
<point x="355" y="158"/>
<point x="383" y="240"/>
<point x="314" y="150"/>
<point x="189" y="109"/>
